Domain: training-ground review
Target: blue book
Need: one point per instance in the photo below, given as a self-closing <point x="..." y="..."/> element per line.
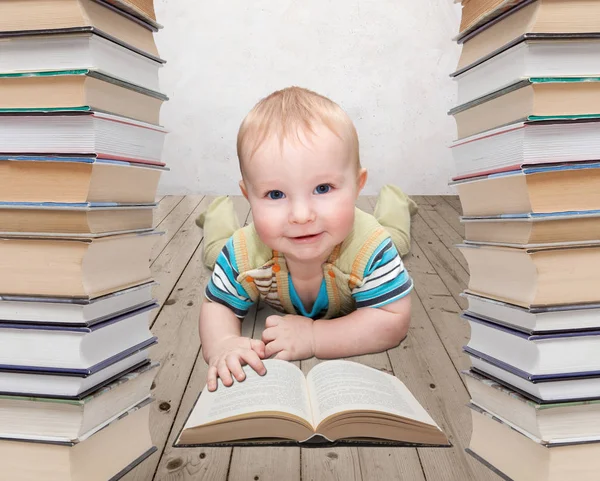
<point x="71" y="382"/>
<point x="77" y="349"/>
<point x="550" y="354"/>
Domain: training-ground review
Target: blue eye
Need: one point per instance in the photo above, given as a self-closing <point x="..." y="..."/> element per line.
<point x="322" y="189"/>
<point x="275" y="194"/>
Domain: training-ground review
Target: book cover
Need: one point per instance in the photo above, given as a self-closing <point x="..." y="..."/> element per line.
<point x="79" y="329"/>
<point x="83" y="394"/>
<point x="488" y="465"/>
<point x="98" y="391"/>
<point x="80" y="73"/>
<point x="510" y="391"/>
<point x="526" y="375"/>
<point x="83" y="158"/>
<point x="80" y="372"/>
<point x="75" y="30"/>
<point x="134" y="464"/>
<point x="490" y="17"/>
<point x="87" y="435"/>
<point x="524" y="334"/>
<point x="75" y="300"/>
<point x="524" y="83"/>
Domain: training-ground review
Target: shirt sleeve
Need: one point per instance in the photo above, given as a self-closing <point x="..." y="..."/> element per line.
<point x="385" y="278"/>
<point x="223" y="286"/>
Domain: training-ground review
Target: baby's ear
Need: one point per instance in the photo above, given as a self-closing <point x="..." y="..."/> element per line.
<point x="243" y="189"/>
<point x="361" y="179"/>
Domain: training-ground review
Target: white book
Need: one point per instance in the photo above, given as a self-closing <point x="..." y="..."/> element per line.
<point x="74" y="311"/>
<point x="67" y="420"/>
<point x="108" y="136"/>
<point x="105" y="455"/>
<point x="71" y="383"/>
<point x="516" y="456"/>
<point x="530" y="58"/>
<point x="539" y="389"/>
<point x="544" y="319"/>
<point x="77" y="52"/>
<point x="549" y="423"/>
<point x="68" y="347"/>
<point x="525" y="143"/>
<point x="537" y="354"/>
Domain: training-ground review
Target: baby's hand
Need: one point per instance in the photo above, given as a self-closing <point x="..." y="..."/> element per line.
<point x="289" y="337"/>
<point x="230" y="355"/>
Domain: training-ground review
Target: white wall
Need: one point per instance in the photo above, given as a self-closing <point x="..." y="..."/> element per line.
<point x="386" y="62"/>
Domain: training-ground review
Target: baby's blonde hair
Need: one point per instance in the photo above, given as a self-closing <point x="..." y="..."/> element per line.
<point x="288" y="112"/>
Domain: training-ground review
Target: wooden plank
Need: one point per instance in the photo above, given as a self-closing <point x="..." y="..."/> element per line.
<point x="210" y="464"/>
<point x="165" y="205"/>
<point x="452" y="273"/>
<point x="171" y="224"/>
<point x="265" y="463"/>
<point x="454" y="201"/>
<point x="440" y="225"/>
<point x="441" y="307"/>
<point x="169" y="265"/>
<point x="439" y="302"/>
<point x="434" y="350"/>
<point x="447" y="212"/>
<point x="445" y="233"/>
<point x="177" y="329"/>
<point x="422" y="363"/>
<point x="421" y="201"/>
<point x="361" y="463"/>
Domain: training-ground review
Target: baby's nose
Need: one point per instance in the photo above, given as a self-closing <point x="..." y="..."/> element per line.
<point x="301" y="213"/>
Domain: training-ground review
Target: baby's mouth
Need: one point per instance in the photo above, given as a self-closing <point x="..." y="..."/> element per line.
<point x="306" y="238"/>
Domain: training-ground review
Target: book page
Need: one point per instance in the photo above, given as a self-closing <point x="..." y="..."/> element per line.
<point x="282" y="388"/>
<point x="337" y="386"/>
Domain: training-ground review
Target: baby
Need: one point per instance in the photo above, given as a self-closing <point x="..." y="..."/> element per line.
<point x="334" y="270"/>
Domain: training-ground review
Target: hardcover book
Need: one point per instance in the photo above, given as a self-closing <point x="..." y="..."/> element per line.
<point x="83" y="90"/>
<point x="29" y="17"/>
<point x="78" y="132"/>
<point x="338" y="402"/>
<point x="520" y="458"/>
<point x="69" y="420"/>
<point x="77" y="180"/>
<point x="105" y="455"/>
<point x="78" y="50"/>
<point x="533" y="190"/>
<point x="81" y="219"/>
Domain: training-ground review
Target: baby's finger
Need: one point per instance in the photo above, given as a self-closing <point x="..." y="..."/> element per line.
<point x="252" y="359"/>
<point x="269" y="335"/>
<point x="272" y="321"/>
<point x="235" y="367"/>
<point x="272" y="348"/>
<point x="224" y="373"/>
<point x="258" y="347"/>
<point x="283" y="355"/>
<point x="211" y="379"/>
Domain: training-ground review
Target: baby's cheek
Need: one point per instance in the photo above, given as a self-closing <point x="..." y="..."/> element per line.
<point x="343" y="221"/>
<point x="265" y="228"/>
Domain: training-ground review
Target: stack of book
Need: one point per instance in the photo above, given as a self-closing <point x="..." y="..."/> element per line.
<point x="80" y="162"/>
<point x="528" y="176"/>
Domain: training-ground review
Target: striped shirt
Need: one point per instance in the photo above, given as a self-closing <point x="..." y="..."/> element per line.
<point x="385" y="280"/>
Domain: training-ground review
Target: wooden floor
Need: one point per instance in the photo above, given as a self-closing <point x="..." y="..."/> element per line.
<point x="428" y="361"/>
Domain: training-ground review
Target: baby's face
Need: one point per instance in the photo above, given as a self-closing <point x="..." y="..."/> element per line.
<point x="302" y="195"/>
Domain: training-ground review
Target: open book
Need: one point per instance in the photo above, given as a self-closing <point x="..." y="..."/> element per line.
<point x="337" y="402"/>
